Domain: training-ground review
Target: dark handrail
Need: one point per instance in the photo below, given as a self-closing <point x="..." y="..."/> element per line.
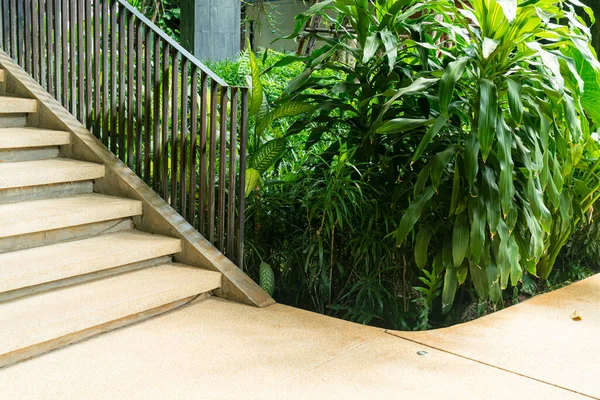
<point x="172" y="120"/>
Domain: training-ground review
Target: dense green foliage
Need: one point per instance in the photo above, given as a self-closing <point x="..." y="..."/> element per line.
<point x="434" y="162"/>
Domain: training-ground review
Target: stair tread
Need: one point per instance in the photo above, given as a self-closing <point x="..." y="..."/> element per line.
<point x="48" y="214"/>
<point x="50" y="315"/>
<point x="2" y="76"/>
<point x="17" y="105"/>
<point x="14" y="138"/>
<point x="30" y="267"/>
<point x="47" y="172"/>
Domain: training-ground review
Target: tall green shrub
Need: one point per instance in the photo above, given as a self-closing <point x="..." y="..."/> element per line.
<point x="475" y="114"/>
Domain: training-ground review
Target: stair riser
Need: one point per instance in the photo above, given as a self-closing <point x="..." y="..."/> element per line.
<point x="13" y="120"/>
<point x="28" y="155"/>
<point x="83" y="278"/>
<point x="63" y="341"/>
<point x="27" y="241"/>
<point x="45" y="192"/>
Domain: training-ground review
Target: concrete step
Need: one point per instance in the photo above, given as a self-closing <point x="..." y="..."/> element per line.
<point x="44" y="215"/>
<point x="40" y="265"/>
<point x="21" y="137"/>
<point x="17" y="105"/>
<point x="47" y="172"/>
<point x="36" y="324"/>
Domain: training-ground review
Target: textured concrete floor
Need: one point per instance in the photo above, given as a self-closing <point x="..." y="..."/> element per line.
<point x="218" y="349"/>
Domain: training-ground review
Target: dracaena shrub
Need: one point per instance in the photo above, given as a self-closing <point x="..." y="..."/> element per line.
<point x="479" y="116"/>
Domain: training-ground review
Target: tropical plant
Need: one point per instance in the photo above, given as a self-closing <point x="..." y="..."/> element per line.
<point x="476" y="114"/>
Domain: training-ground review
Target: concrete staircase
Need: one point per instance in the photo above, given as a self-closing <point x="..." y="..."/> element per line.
<point x="72" y="264"/>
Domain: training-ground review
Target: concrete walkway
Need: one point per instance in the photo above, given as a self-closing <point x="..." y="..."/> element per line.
<point x="213" y="348"/>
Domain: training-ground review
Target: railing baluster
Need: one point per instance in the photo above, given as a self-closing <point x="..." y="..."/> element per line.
<point x="97" y="72"/>
<point x="65" y="52"/>
<point x="47" y="67"/>
<point x="130" y="93"/>
<point x="193" y="145"/>
<point x="164" y="180"/>
<point x="232" y="163"/>
<point x="55" y="70"/>
<point x="147" y="106"/>
<point x="105" y="80"/>
<point x="3" y="25"/>
<point x="12" y="14"/>
<point x="89" y="60"/>
<point x="212" y="160"/>
<point x="80" y="63"/>
<point x="203" y="107"/>
<point x="138" y="99"/>
<point x="242" y="174"/>
<point x="73" y="57"/>
<point x="183" y="140"/>
<point x="112" y="77"/>
<point x="222" y="167"/>
<point x="156" y="147"/>
<point x="27" y="28"/>
<point x="35" y="42"/>
<point x="174" y="127"/>
<point x="121" y="121"/>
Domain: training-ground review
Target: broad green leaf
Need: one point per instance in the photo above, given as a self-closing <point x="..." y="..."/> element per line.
<point x="505" y="184"/>
<point x="477" y="219"/>
<point x="296" y="83"/>
<point x="257" y="94"/>
<point x="440" y="161"/>
<point x="491" y="196"/>
<point x="455" y="188"/>
<point x="509" y="7"/>
<point x="252" y="179"/>
<point x="451" y="75"/>
<point x="536" y="200"/>
<point x="480" y="280"/>
<point x="591" y="95"/>
<point x="431" y="133"/>
<point x="488" y="111"/>
<point x="574" y="123"/>
<point x="390" y="43"/>
<point x="289" y="109"/>
<point x="412" y="215"/>
<point x="471" y="159"/>
<point x="267" y="154"/>
<point x="267" y="278"/>
<point x="371" y="46"/>
<point x="462" y="272"/>
<point x="515" y="104"/>
<point x="422" y="246"/>
<point x="460" y="239"/>
<point x="422" y="179"/>
<point x="488" y="46"/>
<point x="399" y="125"/>
<point x="449" y="290"/>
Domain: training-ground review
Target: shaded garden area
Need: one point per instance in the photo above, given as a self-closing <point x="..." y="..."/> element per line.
<point x="429" y="163"/>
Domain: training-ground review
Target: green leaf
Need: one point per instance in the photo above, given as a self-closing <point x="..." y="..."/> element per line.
<point x="505" y="185"/>
<point x="515" y="104"/>
<point x="371" y="46"/>
<point x="412" y="215"/>
<point x="298" y="82"/>
<point x="252" y="179"/>
<point x="455" y="188"/>
<point x="257" y="94"/>
<point x="488" y="111"/>
<point x="399" y="125"/>
<point x="421" y="179"/>
<point x="452" y="73"/>
<point x="440" y="161"/>
<point x="488" y="46"/>
<point x="477" y="217"/>
<point x="422" y="246"/>
<point x="461" y="272"/>
<point x="471" y="159"/>
<point x="491" y="195"/>
<point x="460" y="239"/>
<point x="480" y="280"/>
<point x="509" y="7"/>
<point x="449" y="290"/>
<point x="390" y="43"/>
<point x="289" y="109"/>
<point x="267" y="154"/>
<point x="433" y="130"/>
<point x="267" y="278"/>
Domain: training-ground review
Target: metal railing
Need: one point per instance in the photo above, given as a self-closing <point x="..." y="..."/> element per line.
<point x="179" y="126"/>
